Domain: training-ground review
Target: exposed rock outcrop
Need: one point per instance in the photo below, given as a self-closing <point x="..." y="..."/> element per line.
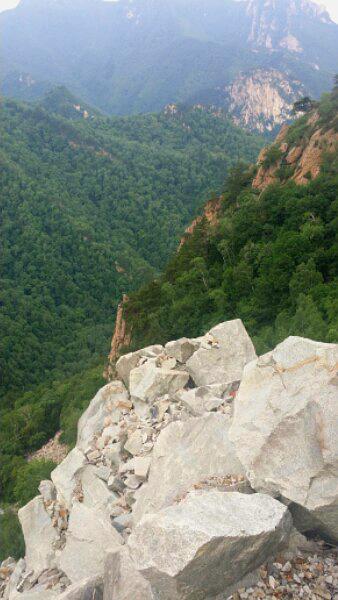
<point x="301" y="159"/>
<point x="121" y="338"/>
<point x="210" y="212"/>
<point x="263" y="99"/>
<point x="156" y="502"/>
<point x="268" y="31"/>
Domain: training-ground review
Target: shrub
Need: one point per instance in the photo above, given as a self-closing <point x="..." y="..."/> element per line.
<point x="285" y="172"/>
<point x="11" y="538"/>
<point x="28" y="479"/>
<point x="272" y="156"/>
<point x="298" y="131"/>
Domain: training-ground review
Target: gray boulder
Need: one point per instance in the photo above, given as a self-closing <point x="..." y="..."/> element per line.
<point x="130" y="361"/>
<point x="64" y="476"/>
<point x="201" y="547"/>
<point x="104" y="407"/>
<point x="39" y="535"/>
<point x="122" y="581"/>
<point x="285" y="430"/>
<point x="96" y="494"/>
<point x="221" y="359"/>
<point x="149" y="382"/>
<point x="185" y="453"/>
<point x="89" y="535"/>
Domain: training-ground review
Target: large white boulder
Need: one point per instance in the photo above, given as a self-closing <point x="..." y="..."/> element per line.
<point x="105" y="405"/>
<point x="222" y="359"/>
<point x="39" y="535"/>
<point x="130" y="361"/>
<point x="95" y="492"/>
<point x="149" y="382"/>
<point x="204" y="545"/>
<point x="64" y="476"/>
<point x="185" y="453"/>
<point x="121" y="579"/>
<point x="285" y="429"/>
<point x="89" y="535"/>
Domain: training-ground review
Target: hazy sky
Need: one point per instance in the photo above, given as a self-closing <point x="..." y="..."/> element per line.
<point x="331" y="5"/>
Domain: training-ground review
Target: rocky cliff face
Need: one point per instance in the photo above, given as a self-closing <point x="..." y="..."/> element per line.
<point x="274" y="23"/>
<point x="181" y="486"/>
<point x="121" y="338"/>
<point x="210" y="214"/>
<point x="262" y="100"/>
<point x="298" y="159"/>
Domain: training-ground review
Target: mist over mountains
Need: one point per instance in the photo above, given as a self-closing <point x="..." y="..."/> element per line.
<point x="136" y="56"/>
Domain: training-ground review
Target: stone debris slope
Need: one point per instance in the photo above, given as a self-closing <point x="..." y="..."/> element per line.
<point x="195" y="475"/>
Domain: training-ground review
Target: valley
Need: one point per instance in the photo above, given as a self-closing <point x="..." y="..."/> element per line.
<point x="168" y="300"/>
<point x="91" y="208"/>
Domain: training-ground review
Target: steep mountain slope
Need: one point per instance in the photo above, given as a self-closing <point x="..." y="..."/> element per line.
<point x="268" y="257"/>
<point x="91" y="207"/>
<point x="136" y="56"/>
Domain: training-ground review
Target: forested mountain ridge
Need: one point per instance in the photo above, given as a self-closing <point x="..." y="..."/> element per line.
<point x="269" y="254"/>
<point x="126" y="57"/>
<point x="91" y="207"/>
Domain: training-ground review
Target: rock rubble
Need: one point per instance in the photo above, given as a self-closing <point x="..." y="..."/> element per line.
<point x="188" y="472"/>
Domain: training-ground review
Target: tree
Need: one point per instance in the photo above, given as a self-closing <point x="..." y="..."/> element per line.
<point x="308" y="321"/>
<point x="303" y="105"/>
<point x="304" y="279"/>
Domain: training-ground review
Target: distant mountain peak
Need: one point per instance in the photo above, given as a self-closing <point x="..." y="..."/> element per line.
<point x="292" y="7"/>
<point x="274" y="22"/>
<point x="134" y="56"/>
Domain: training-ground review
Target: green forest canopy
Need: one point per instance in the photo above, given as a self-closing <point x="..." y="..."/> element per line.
<point x="271" y="261"/>
<point x="90" y="208"/>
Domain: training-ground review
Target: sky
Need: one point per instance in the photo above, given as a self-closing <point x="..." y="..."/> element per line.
<point x="331" y="5"/>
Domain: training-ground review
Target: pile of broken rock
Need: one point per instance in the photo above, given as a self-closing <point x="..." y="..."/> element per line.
<point x="195" y="475"/>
